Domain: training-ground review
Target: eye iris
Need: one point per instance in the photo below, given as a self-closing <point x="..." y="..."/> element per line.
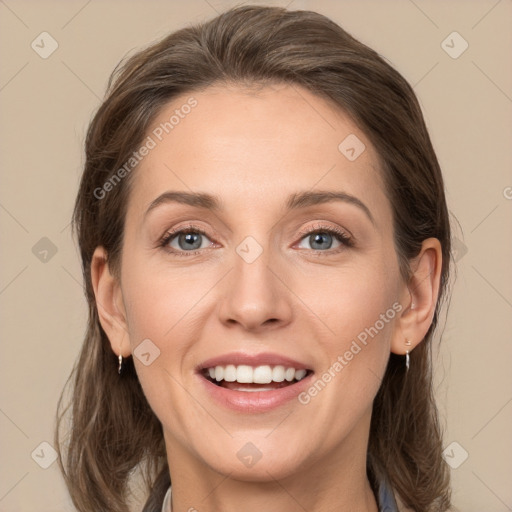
<point x="191" y="240"/>
<point x="318" y="238"/>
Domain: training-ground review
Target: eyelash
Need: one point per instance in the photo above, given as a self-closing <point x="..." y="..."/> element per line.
<point x="342" y="237"/>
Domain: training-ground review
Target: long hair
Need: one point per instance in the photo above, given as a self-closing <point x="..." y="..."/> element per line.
<point x="112" y="430"/>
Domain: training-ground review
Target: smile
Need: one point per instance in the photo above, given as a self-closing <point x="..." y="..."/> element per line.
<point x="253" y="383"/>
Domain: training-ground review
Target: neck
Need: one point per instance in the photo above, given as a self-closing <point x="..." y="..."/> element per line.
<point x="336" y="482"/>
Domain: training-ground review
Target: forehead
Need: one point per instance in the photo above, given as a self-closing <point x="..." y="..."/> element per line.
<point x="255" y="147"/>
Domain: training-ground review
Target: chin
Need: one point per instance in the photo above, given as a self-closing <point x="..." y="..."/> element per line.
<point x="256" y="461"/>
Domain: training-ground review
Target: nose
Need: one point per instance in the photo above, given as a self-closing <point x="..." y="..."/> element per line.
<point x="256" y="295"/>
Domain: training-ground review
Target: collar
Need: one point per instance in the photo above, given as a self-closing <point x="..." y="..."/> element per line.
<point x="385" y="498"/>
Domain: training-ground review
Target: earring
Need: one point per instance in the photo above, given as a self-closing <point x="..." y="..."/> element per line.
<point x="407" y="358"/>
<point x="120" y="364"/>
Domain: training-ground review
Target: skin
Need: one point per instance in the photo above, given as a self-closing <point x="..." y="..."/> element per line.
<point x="253" y="148"/>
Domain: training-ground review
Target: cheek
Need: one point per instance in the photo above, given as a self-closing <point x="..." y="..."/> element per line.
<point x="350" y="299"/>
<point x="159" y="308"/>
<point x="161" y="301"/>
<point x="166" y="306"/>
<point x="356" y="310"/>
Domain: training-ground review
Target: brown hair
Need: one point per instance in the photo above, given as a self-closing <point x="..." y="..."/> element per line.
<point x="113" y="429"/>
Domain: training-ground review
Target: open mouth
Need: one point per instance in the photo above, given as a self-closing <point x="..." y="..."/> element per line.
<point x="256" y="379"/>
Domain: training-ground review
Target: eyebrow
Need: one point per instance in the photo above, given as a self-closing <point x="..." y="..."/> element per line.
<point x="294" y="202"/>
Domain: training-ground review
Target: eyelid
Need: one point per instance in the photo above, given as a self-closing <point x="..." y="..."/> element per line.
<point x="326" y="228"/>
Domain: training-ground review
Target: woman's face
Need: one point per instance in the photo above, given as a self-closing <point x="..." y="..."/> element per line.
<point x="257" y="289"/>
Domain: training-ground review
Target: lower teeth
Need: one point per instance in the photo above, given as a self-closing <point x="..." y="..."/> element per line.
<point x="254" y="386"/>
<point x="253" y="390"/>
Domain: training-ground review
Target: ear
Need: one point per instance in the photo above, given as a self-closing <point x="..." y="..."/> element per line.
<point x="109" y="302"/>
<point x="419" y="297"/>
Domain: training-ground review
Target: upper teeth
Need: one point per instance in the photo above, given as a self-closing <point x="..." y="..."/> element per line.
<point x="245" y="374"/>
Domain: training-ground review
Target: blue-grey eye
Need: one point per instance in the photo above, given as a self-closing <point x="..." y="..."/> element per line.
<point x="320" y="240"/>
<point x="188" y="241"/>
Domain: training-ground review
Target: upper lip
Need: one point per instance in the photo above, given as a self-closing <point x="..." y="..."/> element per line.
<point x="261" y="359"/>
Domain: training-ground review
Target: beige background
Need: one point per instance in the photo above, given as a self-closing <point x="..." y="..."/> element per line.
<point x="46" y="105"/>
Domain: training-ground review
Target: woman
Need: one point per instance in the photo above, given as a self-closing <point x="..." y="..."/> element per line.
<point x="227" y="350"/>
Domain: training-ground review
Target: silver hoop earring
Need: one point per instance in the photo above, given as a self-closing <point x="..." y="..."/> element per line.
<point x="120" y="364"/>
<point x="408" y="343"/>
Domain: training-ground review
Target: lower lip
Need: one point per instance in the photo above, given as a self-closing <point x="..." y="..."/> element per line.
<point x="254" y="401"/>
